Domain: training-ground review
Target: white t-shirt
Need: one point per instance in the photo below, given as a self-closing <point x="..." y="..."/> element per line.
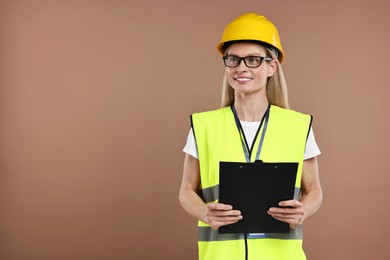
<point x="250" y="129"/>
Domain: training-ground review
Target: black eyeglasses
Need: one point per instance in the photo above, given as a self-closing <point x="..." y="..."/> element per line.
<point x="250" y="61"/>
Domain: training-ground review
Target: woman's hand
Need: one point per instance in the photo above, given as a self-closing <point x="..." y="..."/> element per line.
<point x="294" y="212"/>
<point x="290" y="211"/>
<point x="218" y="214"/>
<point x="214" y="214"/>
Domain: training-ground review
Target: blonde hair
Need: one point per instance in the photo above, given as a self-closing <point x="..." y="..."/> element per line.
<point x="276" y="87"/>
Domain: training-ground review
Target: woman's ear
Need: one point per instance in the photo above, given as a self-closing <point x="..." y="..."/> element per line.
<point x="273" y="65"/>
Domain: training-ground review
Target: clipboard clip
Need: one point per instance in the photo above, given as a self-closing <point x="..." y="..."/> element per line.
<point x="259" y="161"/>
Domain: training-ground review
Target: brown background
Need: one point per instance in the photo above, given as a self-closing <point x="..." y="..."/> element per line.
<point x="95" y="98"/>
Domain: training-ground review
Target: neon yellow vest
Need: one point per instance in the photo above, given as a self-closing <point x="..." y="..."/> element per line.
<point x="218" y="139"/>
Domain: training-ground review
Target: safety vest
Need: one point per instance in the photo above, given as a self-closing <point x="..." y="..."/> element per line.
<point x="218" y="139"/>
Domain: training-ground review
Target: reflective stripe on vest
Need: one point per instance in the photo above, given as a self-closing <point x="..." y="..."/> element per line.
<point x="210" y="194"/>
<point x="208" y="234"/>
<point x="218" y="139"/>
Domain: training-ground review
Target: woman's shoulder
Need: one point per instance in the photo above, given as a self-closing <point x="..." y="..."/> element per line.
<point x="213" y="113"/>
<point x="212" y="117"/>
<point x="287" y="111"/>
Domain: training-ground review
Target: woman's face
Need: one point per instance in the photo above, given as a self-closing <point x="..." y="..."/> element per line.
<point x="249" y="80"/>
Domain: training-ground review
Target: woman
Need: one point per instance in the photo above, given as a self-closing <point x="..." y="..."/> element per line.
<point x="254" y="123"/>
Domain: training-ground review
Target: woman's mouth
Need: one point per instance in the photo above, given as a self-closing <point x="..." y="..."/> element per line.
<point x="243" y="79"/>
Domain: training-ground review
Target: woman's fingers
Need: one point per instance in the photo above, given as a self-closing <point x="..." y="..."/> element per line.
<point x="290" y="211"/>
<point x="219" y="209"/>
<point x="219" y="214"/>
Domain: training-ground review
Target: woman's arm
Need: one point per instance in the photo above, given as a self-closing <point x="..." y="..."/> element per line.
<point x="214" y="214"/>
<point x="295" y="212"/>
<point x="188" y="196"/>
<point x="311" y="188"/>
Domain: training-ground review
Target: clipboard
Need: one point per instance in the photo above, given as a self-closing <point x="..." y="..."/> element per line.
<point x="253" y="188"/>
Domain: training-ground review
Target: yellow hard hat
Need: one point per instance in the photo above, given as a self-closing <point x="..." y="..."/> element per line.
<point x="252" y="27"/>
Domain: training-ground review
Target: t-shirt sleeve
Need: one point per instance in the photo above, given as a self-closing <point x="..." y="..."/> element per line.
<point x="190" y="147"/>
<point x="312" y="149"/>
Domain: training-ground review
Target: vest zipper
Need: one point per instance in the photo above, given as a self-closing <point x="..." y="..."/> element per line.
<point x="246" y="246"/>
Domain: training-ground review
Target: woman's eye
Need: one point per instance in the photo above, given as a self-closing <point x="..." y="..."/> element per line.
<point x="253" y="59"/>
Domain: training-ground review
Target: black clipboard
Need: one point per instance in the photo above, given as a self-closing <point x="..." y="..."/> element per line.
<point x="253" y="188"/>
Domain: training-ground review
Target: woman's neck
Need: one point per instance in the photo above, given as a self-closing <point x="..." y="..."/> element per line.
<point x="250" y="108"/>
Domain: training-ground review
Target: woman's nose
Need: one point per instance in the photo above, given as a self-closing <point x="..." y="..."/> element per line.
<point x="241" y="66"/>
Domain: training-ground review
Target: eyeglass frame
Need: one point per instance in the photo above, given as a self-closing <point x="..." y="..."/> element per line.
<point x="243" y="59"/>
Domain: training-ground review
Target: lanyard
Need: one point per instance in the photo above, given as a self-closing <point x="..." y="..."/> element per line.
<point x="245" y="147"/>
